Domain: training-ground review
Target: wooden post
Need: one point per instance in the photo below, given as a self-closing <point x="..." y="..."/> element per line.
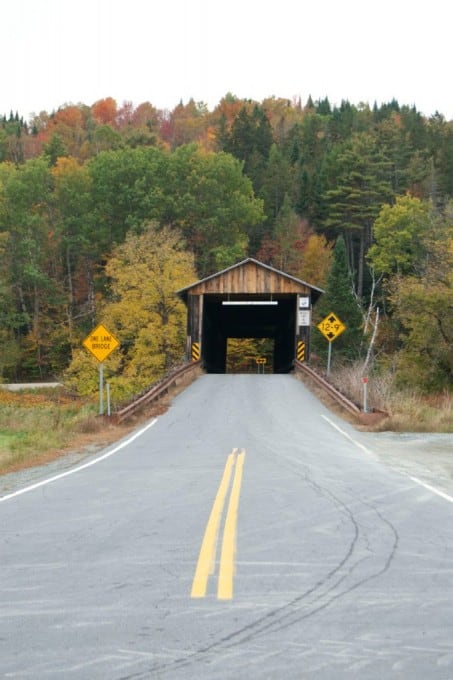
<point x="303" y="318"/>
<point x="194" y="326"/>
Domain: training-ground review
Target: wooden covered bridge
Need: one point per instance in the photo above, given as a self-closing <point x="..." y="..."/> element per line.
<point x="249" y="300"/>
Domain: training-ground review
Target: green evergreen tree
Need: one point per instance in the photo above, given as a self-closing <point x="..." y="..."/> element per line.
<point x="323" y="107"/>
<point x="250" y="140"/>
<point x="305" y="149"/>
<point x="359" y="184"/>
<point x="276" y="180"/>
<point x="339" y="298"/>
<point x="342" y="122"/>
<point x="54" y="149"/>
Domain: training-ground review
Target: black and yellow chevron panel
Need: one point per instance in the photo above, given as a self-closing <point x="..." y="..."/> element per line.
<point x="300" y="350"/>
<point x="195" y="351"/>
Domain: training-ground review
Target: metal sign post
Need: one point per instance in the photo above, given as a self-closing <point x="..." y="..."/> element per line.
<point x="365" y="395"/>
<point x="329" y="357"/>
<point x="260" y="362"/>
<point x="101" y="389"/>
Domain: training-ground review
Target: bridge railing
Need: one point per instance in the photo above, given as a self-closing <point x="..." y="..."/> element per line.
<point x="327" y="387"/>
<point x="157" y="390"/>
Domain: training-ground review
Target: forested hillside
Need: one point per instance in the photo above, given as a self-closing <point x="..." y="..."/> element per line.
<point x="309" y="188"/>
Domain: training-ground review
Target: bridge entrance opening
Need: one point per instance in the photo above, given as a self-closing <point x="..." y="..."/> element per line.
<point x="256" y="317"/>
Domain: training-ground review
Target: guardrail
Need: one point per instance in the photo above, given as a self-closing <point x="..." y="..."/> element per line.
<point x="327" y="387"/>
<point x="156" y="391"/>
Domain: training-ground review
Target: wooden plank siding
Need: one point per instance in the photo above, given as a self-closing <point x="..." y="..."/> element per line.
<point x="250" y="278"/>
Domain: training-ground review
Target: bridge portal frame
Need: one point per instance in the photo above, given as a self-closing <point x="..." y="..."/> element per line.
<point x="253" y="283"/>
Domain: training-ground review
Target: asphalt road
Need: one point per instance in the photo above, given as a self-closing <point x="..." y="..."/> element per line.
<point x="247" y="533"/>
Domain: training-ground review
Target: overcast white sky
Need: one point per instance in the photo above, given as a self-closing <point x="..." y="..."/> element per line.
<point x="55" y="52"/>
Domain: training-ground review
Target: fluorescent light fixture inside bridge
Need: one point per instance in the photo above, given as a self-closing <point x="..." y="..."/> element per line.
<point x="249" y="302"/>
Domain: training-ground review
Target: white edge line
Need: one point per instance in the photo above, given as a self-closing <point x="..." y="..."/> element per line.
<point x="438" y="492"/>
<point x="433" y="489"/>
<point x="345" y="434"/>
<point x="49" y="480"/>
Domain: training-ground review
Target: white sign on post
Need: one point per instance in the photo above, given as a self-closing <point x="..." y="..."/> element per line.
<point x="304" y="317"/>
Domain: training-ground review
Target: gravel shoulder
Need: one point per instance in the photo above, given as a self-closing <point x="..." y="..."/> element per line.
<point x="427" y="456"/>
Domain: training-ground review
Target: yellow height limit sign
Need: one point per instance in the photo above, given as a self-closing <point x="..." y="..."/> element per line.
<point x="101" y="344"/>
<point x="331" y="327"/>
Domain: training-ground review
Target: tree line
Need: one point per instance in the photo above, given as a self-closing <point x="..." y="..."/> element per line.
<point x="297" y="186"/>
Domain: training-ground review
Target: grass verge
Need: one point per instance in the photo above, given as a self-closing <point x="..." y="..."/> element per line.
<point x="414" y="413"/>
<point x="37" y="426"/>
<point x="408" y="411"/>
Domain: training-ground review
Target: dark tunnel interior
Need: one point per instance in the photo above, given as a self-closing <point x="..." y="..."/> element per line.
<point x="250" y="317"/>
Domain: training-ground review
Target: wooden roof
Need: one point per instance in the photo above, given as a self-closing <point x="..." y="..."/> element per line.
<point x="250" y="277"/>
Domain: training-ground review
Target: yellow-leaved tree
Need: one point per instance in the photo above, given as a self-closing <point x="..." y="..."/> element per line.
<point x="143" y="312"/>
<point x="317" y="259"/>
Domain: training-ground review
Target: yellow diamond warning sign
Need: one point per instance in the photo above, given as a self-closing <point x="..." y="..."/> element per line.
<point x="100" y="343"/>
<point x="331" y="327"/>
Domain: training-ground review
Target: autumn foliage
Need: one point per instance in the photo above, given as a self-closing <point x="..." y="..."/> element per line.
<point x="84" y="187"/>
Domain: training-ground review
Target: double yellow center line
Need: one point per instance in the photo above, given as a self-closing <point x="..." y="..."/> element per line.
<point x="207" y="558"/>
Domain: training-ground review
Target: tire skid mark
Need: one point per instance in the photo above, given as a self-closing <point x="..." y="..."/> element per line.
<point x="318" y="597"/>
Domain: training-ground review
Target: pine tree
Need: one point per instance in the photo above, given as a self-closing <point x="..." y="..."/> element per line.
<point x="339" y="298"/>
<point x="359" y="181"/>
<point x="250" y="140"/>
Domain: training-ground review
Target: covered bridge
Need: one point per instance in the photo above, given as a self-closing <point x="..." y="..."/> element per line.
<point x="249" y="300"/>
